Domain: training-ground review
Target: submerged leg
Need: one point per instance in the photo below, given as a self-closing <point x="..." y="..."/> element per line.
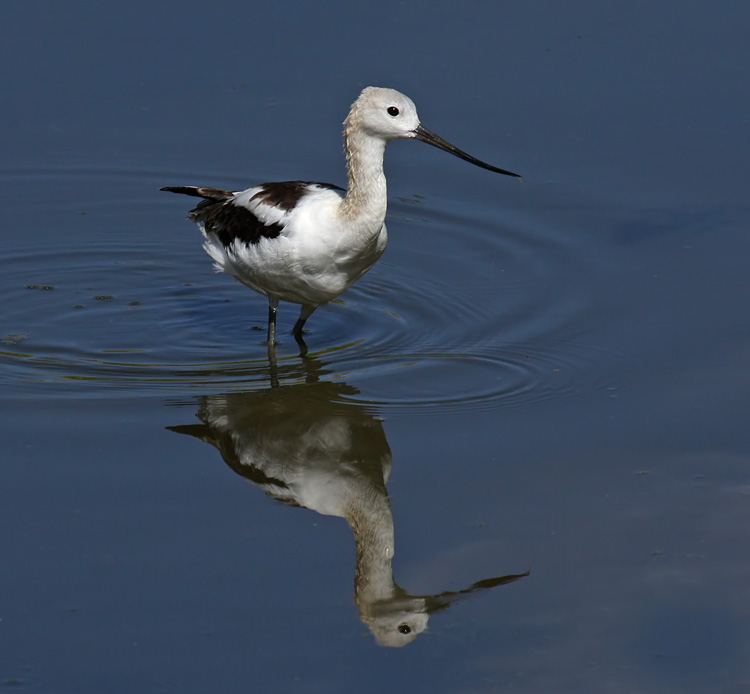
<point x="273" y="304"/>
<point x="305" y="312"/>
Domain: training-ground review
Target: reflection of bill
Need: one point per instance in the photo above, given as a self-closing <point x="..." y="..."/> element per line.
<point x="308" y="446"/>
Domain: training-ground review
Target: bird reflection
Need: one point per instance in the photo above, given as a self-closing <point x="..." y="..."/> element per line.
<point x="309" y="444"/>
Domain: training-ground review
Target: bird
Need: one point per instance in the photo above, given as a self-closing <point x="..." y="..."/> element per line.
<point x="306" y="242"/>
<point x="310" y="444"/>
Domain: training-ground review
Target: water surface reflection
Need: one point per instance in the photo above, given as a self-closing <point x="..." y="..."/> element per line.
<point x="310" y="445"/>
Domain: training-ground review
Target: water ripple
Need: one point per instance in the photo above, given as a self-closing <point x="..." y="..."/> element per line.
<point x="464" y="311"/>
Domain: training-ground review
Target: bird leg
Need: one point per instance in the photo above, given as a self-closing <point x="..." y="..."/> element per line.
<point x="272" y="305"/>
<point x="305" y="312"/>
<point x="297" y="329"/>
<point x="297" y="332"/>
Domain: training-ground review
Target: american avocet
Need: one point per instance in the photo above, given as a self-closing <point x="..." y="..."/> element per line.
<point x="307" y="242"/>
<point x="310" y="445"/>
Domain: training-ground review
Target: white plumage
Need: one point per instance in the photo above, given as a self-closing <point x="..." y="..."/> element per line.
<point x="307" y="242"/>
<point x="297" y="266"/>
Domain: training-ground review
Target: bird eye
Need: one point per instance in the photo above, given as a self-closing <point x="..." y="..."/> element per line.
<point x="403" y="628"/>
<point x="392" y="111"/>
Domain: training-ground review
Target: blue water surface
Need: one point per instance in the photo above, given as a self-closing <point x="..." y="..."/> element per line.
<point x="539" y="393"/>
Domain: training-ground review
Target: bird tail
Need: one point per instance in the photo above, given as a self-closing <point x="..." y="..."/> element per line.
<point x="213" y="194"/>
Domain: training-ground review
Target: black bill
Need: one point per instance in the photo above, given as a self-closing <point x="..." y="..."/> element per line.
<point x="421" y="133"/>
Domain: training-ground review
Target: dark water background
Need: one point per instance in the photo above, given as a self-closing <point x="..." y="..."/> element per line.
<point x="552" y="376"/>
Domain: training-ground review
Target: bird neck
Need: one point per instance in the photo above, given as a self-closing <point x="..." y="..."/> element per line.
<point x="366" y="193"/>
<point x="371" y="522"/>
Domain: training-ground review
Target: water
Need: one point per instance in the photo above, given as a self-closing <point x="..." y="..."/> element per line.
<point x="545" y="377"/>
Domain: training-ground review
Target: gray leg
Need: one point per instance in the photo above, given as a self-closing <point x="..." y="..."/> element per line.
<point x="272" y="305"/>
<point x="305" y="312"/>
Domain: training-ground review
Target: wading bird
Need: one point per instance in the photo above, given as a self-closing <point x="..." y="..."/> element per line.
<point x="307" y="242"/>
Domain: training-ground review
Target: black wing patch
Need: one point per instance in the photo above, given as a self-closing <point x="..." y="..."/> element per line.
<point x="230" y="222"/>
<point x="223" y="219"/>
<point x="286" y="194"/>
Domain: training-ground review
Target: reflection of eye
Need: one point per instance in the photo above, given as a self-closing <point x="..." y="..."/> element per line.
<point x="403" y="628"/>
<point x="392" y="111"/>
